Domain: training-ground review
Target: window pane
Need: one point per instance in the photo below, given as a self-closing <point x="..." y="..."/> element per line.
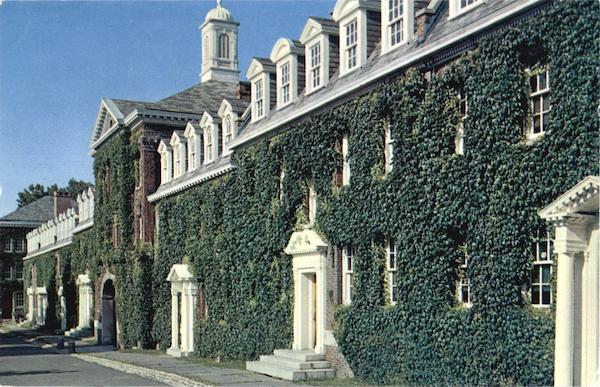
<point x="533" y="81"/>
<point x="535" y="295"/>
<point x="545" y="274"/>
<point x="536" y="105"/>
<point x="536" y="124"/>
<point x="542" y="80"/>
<point x="535" y="274"/>
<point x="546" y="295"/>
<point x="545" y="103"/>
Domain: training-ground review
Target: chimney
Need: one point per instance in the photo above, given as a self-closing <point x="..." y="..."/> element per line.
<point x="242" y="91"/>
<point x="422" y="18"/>
<point x="62" y="202"/>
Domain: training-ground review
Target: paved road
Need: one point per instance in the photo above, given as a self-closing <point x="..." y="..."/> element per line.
<point x="22" y="363"/>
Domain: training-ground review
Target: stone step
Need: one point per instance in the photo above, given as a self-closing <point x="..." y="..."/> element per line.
<point x="286" y="373"/>
<point x="305" y="356"/>
<point x="295" y="364"/>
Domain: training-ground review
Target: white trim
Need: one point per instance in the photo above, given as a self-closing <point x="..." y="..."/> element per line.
<point x="56" y="246"/>
<point x="370" y="77"/>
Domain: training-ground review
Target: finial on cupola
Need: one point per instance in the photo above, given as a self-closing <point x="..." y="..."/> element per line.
<point x="219" y="3"/>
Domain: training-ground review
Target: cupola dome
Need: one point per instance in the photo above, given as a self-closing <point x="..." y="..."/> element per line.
<point x="219" y="13"/>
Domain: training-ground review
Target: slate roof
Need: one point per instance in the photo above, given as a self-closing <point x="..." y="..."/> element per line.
<point x="39" y="211"/>
<point x="127" y="107"/>
<point x="206" y="96"/>
<point x="324" y="22"/>
<point x="441" y="29"/>
<point x="238" y="105"/>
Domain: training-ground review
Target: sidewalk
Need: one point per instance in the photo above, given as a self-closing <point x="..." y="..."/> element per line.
<point x="149" y="364"/>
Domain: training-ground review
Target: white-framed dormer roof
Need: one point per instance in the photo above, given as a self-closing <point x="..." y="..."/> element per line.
<point x="180" y="273"/>
<point x="284" y="47"/>
<point x="177" y="137"/>
<point x="581" y="199"/>
<point x="344" y="7"/>
<point x="191" y="127"/>
<point x="164" y="146"/>
<point x="107" y="109"/>
<point x="315" y="26"/>
<point x="207" y="119"/>
<point x="258" y="66"/>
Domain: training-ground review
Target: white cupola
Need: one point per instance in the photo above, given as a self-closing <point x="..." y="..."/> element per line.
<point x="219" y="46"/>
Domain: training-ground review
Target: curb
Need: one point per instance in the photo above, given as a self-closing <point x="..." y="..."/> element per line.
<point x="148" y="373"/>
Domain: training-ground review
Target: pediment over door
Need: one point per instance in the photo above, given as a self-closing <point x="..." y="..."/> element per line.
<point x="180" y="273"/>
<point x="582" y="199"/>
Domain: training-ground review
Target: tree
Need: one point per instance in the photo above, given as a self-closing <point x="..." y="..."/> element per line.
<point x="37" y="191"/>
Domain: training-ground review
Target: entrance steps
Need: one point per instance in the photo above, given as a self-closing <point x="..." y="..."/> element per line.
<point x="293" y="365"/>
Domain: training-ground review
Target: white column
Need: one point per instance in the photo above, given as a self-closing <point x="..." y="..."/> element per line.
<point x="63" y="309"/>
<point x="174" y="321"/>
<point x="183" y="321"/>
<point x="30" y="310"/>
<point x="563" y="372"/>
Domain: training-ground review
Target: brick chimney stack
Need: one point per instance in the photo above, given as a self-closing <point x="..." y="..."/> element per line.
<point x="242" y="91"/>
<point x="62" y="202"/>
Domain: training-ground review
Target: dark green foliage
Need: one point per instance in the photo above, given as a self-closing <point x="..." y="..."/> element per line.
<point x="234" y="229"/>
<point x="37" y="191"/>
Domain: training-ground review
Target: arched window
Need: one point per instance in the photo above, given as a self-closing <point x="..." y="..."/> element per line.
<point x="224" y="46"/>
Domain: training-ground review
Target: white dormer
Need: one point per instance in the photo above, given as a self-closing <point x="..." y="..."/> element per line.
<point x="193" y="135"/>
<point x="288" y="57"/>
<point x="398" y="23"/>
<point x="321" y="45"/>
<point x="229" y="122"/>
<point x="178" y="143"/>
<point x="360" y="28"/>
<point x="261" y="75"/>
<point x="458" y="7"/>
<point x="166" y="161"/>
<point x="210" y="128"/>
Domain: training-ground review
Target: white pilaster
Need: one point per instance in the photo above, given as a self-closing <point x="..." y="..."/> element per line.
<point x="63" y="309"/>
<point x="174" y="350"/>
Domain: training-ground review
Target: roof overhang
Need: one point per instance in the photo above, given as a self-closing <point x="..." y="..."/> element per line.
<point x="180" y="273"/>
<point x="313" y="28"/>
<point x="582" y="199"/>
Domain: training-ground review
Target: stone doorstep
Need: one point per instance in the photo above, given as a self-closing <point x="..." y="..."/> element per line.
<point x="289" y="373"/>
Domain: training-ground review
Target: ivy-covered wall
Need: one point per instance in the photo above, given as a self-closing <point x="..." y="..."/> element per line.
<point x="233" y="230"/>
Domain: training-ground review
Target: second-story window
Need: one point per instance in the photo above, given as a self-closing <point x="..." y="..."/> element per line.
<point x="467" y="3"/>
<point x="388" y="149"/>
<point x="395" y="22"/>
<point x="540" y="100"/>
<point x="285" y="83"/>
<point x="19" y="270"/>
<point x="224" y="46"/>
<point x="315" y="65"/>
<point x="19" y="245"/>
<point x="463" y="287"/>
<point x="459" y="140"/>
<point x="259" y="98"/>
<point x="7" y="245"/>
<point x="351" y="44"/>
<point x="345" y="161"/>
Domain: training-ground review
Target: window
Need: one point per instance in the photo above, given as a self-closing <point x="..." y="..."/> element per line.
<point x="315" y="65"/>
<point x="463" y="288"/>
<point x="192" y="153"/>
<point x="347" y="271"/>
<point x="395" y="22"/>
<point x="8" y="272"/>
<point x="18" y="299"/>
<point x="19" y="271"/>
<point x="541" y="293"/>
<point x="7" y="245"/>
<point x="345" y="161"/>
<point x="459" y="140"/>
<point x="388" y="149"/>
<point x="19" y="245"/>
<point x="351" y="44"/>
<point x="224" y="46"/>
<point x="392" y="267"/>
<point x="540" y="100"/>
<point x="228" y="130"/>
<point x="312" y="205"/>
<point x="209" y="145"/>
<point x="467" y="3"/>
<point x="177" y="156"/>
<point x="165" y="170"/>
<point x="281" y="177"/>
<point x="285" y="83"/>
<point x="258" y="98"/>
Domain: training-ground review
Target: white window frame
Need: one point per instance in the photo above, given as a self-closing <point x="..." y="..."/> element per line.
<point x="176" y="160"/>
<point x="388" y="149"/>
<point x="540" y="95"/>
<point x="19" y="245"/>
<point x="463" y="281"/>
<point x="227" y="129"/>
<point x="395" y="22"/>
<point x="315" y="61"/>
<point x="391" y="264"/>
<point x="7" y="245"/>
<point x="19" y="299"/>
<point x="258" y="91"/>
<point x="459" y="139"/>
<point x="542" y="247"/>
<point x="285" y="89"/>
<point x="209" y="145"/>
<point x="348" y="253"/>
<point x="351" y="45"/>
<point x="192" y="152"/>
<point x="458" y="7"/>
<point x="345" y="161"/>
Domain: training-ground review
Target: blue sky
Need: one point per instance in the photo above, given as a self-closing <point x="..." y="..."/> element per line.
<point x="58" y="59"/>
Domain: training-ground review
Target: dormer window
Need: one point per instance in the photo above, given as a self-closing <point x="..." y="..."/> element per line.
<point x="165" y="162"/>
<point x="351" y="44"/>
<point x="209" y="127"/>
<point x="398" y="23"/>
<point x="178" y="143"/>
<point x="259" y="103"/>
<point x="457" y="7"/>
<point x="224" y="46"/>
<point x="229" y="112"/>
<point x="321" y="42"/>
<point x="285" y="83"/>
<point x="192" y="136"/>
<point x="228" y="129"/>
<point x="315" y="65"/>
<point x="192" y="155"/>
<point x="209" y="145"/>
